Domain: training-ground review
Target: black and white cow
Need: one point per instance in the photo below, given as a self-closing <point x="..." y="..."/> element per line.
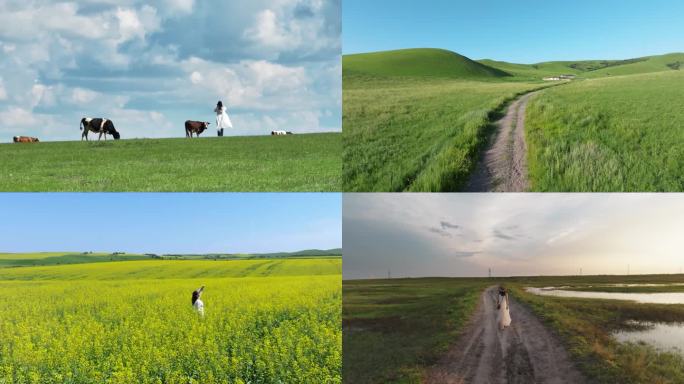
<point x="98" y="125"/>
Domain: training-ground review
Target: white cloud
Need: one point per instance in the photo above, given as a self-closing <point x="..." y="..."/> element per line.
<point x="251" y="84"/>
<point x="301" y="26"/>
<point x="137" y="24"/>
<point x="17" y="116"/>
<point x="3" y="91"/>
<point x="184" y="6"/>
<point x="83" y="96"/>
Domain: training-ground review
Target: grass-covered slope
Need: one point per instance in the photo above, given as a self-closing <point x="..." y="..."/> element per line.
<point x="421" y="62"/>
<point x="608" y="134"/>
<point x="650" y="64"/>
<point x="56" y="258"/>
<point x="418" y="126"/>
<point x="305" y="162"/>
<point x="591" y="68"/>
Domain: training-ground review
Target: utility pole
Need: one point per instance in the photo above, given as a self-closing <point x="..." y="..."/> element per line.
<point x="389" y="273"/>
<point x="490" y="273"/>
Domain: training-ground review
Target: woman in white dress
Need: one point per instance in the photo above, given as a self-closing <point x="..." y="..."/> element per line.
<point x="197" y="303"/>
<point x="222" y="119"/>
<point x="504" y="316"/>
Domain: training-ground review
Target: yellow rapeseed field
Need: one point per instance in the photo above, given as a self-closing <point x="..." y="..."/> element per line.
<point x="266" y="321"/>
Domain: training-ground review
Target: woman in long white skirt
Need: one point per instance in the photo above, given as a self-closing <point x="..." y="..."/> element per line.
<point x="222" y="119"/>
<point x="504" y="316"/>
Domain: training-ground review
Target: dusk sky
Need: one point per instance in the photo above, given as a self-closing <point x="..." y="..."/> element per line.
<point x="170" y="222"/>
<point x="513" y="234"/>
<point x="526" y="31"/>
<point x="150" y="65"/>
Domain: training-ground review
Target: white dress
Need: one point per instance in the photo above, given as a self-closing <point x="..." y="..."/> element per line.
<point x="199" y="307"/>
<point x="222" y="119"/>
<point x="504" y="314"/>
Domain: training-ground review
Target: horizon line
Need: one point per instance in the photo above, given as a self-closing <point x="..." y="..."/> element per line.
<point x="512" y="62"/>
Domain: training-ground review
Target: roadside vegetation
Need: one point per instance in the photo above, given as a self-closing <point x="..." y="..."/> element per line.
<point x="608" y="134"/>
<point x="306" y="162"/>
<point x="132" y="322"/>
<point x="394" y="330"/>
<point x="586" y="325"/>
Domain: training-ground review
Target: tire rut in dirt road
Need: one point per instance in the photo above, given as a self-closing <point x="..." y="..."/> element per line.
<point x="526" y="352"/>
<point x="503" y="166"/>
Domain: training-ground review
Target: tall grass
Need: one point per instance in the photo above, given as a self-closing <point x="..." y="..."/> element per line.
<point x="609" y="134"/>
<point x="409" y="134"/>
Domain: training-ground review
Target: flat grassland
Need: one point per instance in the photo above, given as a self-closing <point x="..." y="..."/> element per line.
<point x="395" y="330"/>
<point x="418" y="120"/>
<point x="609" y="134"/>
<point x="266" y="321"/>
<point x="306" y="162"/>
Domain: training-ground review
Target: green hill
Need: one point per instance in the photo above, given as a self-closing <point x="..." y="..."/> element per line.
<point x="650" y="64"/>
<point x="421" y="62"/>
<point x="591" y="68"/>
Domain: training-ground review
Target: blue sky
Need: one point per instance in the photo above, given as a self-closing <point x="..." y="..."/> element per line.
<point x="151" y="65"/>
<point x="170" y="223"/>
<point x="526" y="31"/>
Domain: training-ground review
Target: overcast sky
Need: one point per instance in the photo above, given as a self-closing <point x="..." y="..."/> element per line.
<point x="170" y="222"/>
<point x="151" y="65"/>
<point x="513" y="234"/>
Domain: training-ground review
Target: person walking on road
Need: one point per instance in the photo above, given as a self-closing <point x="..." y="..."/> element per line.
<point x="504" y="316"/>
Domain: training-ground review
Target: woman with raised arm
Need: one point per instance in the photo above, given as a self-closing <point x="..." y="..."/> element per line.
<point x="197" y="303"/>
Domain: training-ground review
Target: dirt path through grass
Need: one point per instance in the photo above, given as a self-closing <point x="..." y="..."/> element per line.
<point x="526" y="352"/>
<point x="503" y="167"/>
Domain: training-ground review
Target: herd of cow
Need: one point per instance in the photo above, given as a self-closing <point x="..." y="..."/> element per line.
<point x="106" y="127"/>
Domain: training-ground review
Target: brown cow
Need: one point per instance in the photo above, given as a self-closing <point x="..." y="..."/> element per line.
<point x="25" y="139"/>
<point x="196" y="127"/>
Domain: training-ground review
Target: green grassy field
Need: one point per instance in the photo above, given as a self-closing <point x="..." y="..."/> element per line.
<point x="609" y="134"/>
<point x="395" y="330"/>
<point x="266" y="321"/>
<point x="408" y="131"/>
<point x="307" y="162"/>
<point x="417" y="120"/>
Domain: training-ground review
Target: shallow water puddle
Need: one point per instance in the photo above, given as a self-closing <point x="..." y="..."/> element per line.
<point x="667" y="337"/>
<point x="653" y="298"/>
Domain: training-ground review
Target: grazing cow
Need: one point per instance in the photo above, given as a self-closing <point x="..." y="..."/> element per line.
<point x="280" y="133"/>
<point x="196" y="127"/>
<point x="25" y="139"/>
<point x="197" y="303"/>
<point x="98" y="125"/>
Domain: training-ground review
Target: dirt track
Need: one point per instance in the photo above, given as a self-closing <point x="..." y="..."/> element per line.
<point x="524" y="353"/>
<point x="503" y="167"/>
